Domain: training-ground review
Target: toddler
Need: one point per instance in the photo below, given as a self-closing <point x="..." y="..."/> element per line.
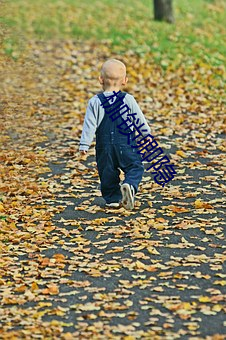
<point x="115" y="149"/>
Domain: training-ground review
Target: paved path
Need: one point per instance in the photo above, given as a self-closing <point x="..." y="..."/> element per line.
<point x="153" y="273"/>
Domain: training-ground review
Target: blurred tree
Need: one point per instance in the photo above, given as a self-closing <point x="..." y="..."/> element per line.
<point x="163" y="10"/>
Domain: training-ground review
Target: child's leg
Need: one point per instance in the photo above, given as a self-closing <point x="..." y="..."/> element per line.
<point x="131" y="164"/>
<point x="107" y="166"/>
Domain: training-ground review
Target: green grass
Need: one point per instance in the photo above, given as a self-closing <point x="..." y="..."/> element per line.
<point x="198" y="31"/>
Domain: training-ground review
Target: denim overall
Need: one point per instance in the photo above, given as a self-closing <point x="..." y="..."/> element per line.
<point x="113" y="153"/>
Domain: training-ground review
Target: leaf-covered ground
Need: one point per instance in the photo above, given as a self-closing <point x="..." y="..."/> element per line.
<point x="69" y="268"/>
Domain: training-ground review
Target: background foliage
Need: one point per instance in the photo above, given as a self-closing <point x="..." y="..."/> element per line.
<point x="199" y="31"/>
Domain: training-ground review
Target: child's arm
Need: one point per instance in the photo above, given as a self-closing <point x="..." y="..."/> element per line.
<point x="89" y="128"/>
<point x="135" y="108"/>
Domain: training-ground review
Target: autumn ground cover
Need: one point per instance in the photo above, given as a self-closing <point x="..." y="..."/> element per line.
<point x="70" y="269"/>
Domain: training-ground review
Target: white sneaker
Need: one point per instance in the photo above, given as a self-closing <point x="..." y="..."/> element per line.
<point x="112" y="205"/>
<point x="128" y="194"/>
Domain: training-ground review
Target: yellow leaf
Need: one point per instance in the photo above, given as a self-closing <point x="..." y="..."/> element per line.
<point x="192" y="326"/>
<point x="158" y="289"/>
<point x="67" y="336"/>
<point x="181" y="153"/>
<point x="200" y="204"/>
<point x="78" y="239"/>
<point x="160" y="226"/>
<point x="204" y="299"/>
<point x="217" y="308"/>
<point x="38" y="315"/>
<point x="222" y="282"/>
<point x="44" y="304"/>
<point x="1" y="208"/>
<point x="153" y="251"/>
<point x="140" y="265"/>
<point x="187" y="305"/>
<point x="55" y="323"/>
<point x="100" y="221"/>
<point x="115" y="250"/>
<point x="12" y="225"/>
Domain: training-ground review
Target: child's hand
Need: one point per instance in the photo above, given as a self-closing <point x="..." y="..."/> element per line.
<point x="83" y="152"/>
<point x="148" y="140"/>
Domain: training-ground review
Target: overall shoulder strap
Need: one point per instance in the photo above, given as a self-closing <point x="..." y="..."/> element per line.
<point x="102" y="97"/>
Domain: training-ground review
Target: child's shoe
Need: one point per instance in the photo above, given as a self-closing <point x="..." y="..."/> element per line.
<point x="128" y="194"/>
<point x="113" y="205"/>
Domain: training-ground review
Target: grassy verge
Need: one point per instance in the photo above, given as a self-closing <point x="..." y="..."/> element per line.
<point x="197" y="33"/>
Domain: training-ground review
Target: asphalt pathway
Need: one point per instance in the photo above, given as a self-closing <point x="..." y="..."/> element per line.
<point x="156" y="272"/>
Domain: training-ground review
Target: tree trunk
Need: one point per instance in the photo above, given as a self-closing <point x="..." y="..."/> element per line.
<point x="163" y="10"/>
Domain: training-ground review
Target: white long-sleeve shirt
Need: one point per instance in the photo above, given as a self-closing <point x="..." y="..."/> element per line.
<point x="95" y="113"/>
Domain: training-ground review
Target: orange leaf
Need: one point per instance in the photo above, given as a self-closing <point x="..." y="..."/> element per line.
<point x="200" y="204"/>
<point x="34" y="286"/>
<point x="45" y="261"/>
<point x="20" y="289"/>
<point x="59" y="257"/>
<point x="53" y="289"/>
